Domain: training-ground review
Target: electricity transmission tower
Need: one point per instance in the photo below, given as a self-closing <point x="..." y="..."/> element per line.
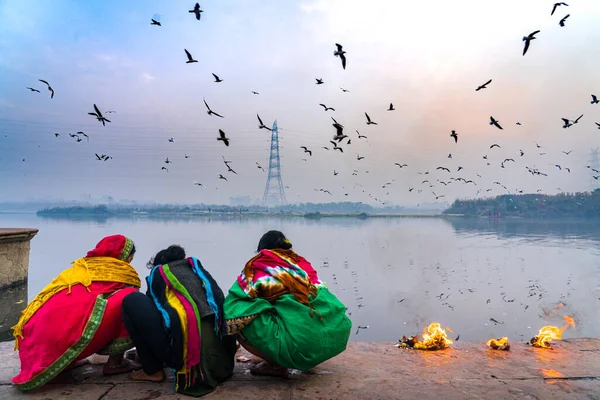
<point x="595" y="164"/>
<point x="274" y="193"/>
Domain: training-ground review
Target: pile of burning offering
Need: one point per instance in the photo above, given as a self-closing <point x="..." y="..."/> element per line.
<point x="499" y="344"/>
<point x="434" y="338"/>
<point x="548" y="333"/>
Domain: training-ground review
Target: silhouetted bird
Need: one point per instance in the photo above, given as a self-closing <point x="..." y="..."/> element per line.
<point x="217" y="79"/>
<point x="261" y="125"/>
<point x="527" y="39"/>
<point x="306" y="150"/>
<point x="495" y="123"/>
<point x="594" y="100"/>
<point x="326" y="108"/>
<point x="556" y="5"/>
<point x="189" y="57"/>
<point x="341" y="54"/>
<point x="319" y="81"/>
<point x="155" y="22"/>
<point x="196" y="10"/>
<point x="391" y="107"/>
<point x="562" y="21"/>
<point x="369" y="122"/>
<point x="211" y="112"/>
<point x="49" y="88"/>
<point x="33" y="90"/>
<point x="223" y="138"/>
<point x="484" y="86"/>
<point x="454" y="135"/>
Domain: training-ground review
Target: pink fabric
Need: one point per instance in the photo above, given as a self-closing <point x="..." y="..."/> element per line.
<point x="59" y="324"/>
<point x="269" y="259"/>
<point x="193" y="340"/>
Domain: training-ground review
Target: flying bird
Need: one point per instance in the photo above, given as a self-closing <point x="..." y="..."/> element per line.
<point x="359" y="157"/>
<point x="401" y="165"/>
<point x="454" y="135"/>
<point x="364" y="137"/>
<point x="594" y="100"/>
<point x="319" y="81"/>
<point x="259" y="167"/>
<point x="155" y="22"/>
<point x="566" y="123"/>
<point x="577" y="120"/>
<point x="391" y="107"/>
<point x="33" y="90"/>
<point x="99" y="115"/>
<point x="222" y="177"/>
<point x="567" y="152"/>
<point x="196" y="10"/>
<point x="261" y="125"/>
<point x="223" y="138"/>
<point x="556" y="5"/>
<point x="344" y="90"/>
<point x="84" y="135"/>
<point x="484" y="86"/>
<point x="211" y="112"/>
<point x="495" y="123"/>
<point x="528" y="39"/>
<point x="369" y="122"/>
<point x="171" y="140"/>
<point x="306" y="150"/>
<point x="597" y="124"/>
<point x="253" y="92"/>
<point x="562" y="21"/>
<point x="459" y="168"/>
<point x="198" y="184"/>
<point x="164" y="169"/>
<point x="494" y="145"/>
<point x="167" y="161"/>
<point x="229" y="169"/>
<point x="443" y="168"/>
<point x="326" y="108"/>
<point x="186" y="156"/>
<point x="56" y="134"/>
<point x="341" y="54"/>
<point x="189" y="57"/>
<point x="49" y="87"/>
<point x="217" y="79"/>
<point x="518" y="123"/>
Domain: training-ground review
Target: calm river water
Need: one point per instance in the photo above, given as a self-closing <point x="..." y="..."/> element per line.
<point x="395" y="274"/>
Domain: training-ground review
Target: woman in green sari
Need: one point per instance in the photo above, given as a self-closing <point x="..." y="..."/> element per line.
<point x="282" y="312"/>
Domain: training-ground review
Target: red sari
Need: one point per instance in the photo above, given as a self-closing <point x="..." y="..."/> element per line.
<point x="77" y="321"/>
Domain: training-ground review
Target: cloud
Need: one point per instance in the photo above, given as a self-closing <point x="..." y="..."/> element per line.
<point x="147" y="78"/>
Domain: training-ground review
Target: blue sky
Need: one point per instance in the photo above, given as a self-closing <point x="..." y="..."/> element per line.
<point x="425" y="58"/>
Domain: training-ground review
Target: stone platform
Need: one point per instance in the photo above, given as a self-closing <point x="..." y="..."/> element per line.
<point x="367" y="371"/>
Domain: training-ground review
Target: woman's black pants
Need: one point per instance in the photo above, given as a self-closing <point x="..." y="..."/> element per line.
<point x="145" y="325"/>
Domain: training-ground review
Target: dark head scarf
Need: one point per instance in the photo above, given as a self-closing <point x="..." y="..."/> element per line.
<point x="115" y="246"/>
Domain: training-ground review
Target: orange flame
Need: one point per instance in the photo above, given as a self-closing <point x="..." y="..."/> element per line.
<point x="499" y="344"/>
<point x="548" y="333"/>
<point x="434" y="338"/>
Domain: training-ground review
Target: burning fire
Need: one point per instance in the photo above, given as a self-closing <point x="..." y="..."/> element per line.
<point x="434" y="338"/>
<point x="499" y="344"/>
<point x="549" y="333"/>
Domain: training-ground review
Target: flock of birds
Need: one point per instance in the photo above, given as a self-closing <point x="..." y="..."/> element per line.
<point x="340" y="139"/>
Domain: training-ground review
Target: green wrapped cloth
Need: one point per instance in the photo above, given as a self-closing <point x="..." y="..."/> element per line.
<point x="290" y="332"/>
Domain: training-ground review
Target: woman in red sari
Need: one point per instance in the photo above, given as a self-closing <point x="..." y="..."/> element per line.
<point x="79" y="314"/>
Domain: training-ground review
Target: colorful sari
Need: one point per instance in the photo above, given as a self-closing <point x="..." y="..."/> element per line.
<point x="78" y="314"/>
<point x="208" y="357"/>
<point x="282" y="308"/>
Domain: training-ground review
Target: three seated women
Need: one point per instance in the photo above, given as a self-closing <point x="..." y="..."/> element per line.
<point x="277" y="308"/>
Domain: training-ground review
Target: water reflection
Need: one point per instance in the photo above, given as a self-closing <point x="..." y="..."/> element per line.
<point x="482" y="278"/>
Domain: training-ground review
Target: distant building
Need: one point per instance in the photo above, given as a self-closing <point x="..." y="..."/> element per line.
<point x="242" y="201"/>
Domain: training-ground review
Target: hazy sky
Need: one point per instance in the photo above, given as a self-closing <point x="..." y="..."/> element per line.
<point x="425" y="57"/>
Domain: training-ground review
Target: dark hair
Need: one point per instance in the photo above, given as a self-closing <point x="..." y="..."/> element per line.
<point x="170" y="254"/>
<point x="132" y="252"/>
<point x="273" y="240"/>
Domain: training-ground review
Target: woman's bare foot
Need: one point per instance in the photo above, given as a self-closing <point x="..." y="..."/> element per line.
<point x="142" y="376"/>
<point x="266" y="369"/>
<point x="119" y="365"/>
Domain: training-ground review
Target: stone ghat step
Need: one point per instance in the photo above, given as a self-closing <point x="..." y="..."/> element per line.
<point x="469" y="370"/>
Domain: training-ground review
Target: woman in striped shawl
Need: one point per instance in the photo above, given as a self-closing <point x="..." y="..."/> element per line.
<point x="178" y="324"/>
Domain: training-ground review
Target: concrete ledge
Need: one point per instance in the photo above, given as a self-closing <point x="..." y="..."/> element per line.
<point x="14" y="235"/>
<point x="367" y="371"/>
<point x="14" y="255"/>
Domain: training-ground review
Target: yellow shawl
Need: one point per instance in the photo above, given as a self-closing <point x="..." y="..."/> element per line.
<point x="84" y="271"/>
